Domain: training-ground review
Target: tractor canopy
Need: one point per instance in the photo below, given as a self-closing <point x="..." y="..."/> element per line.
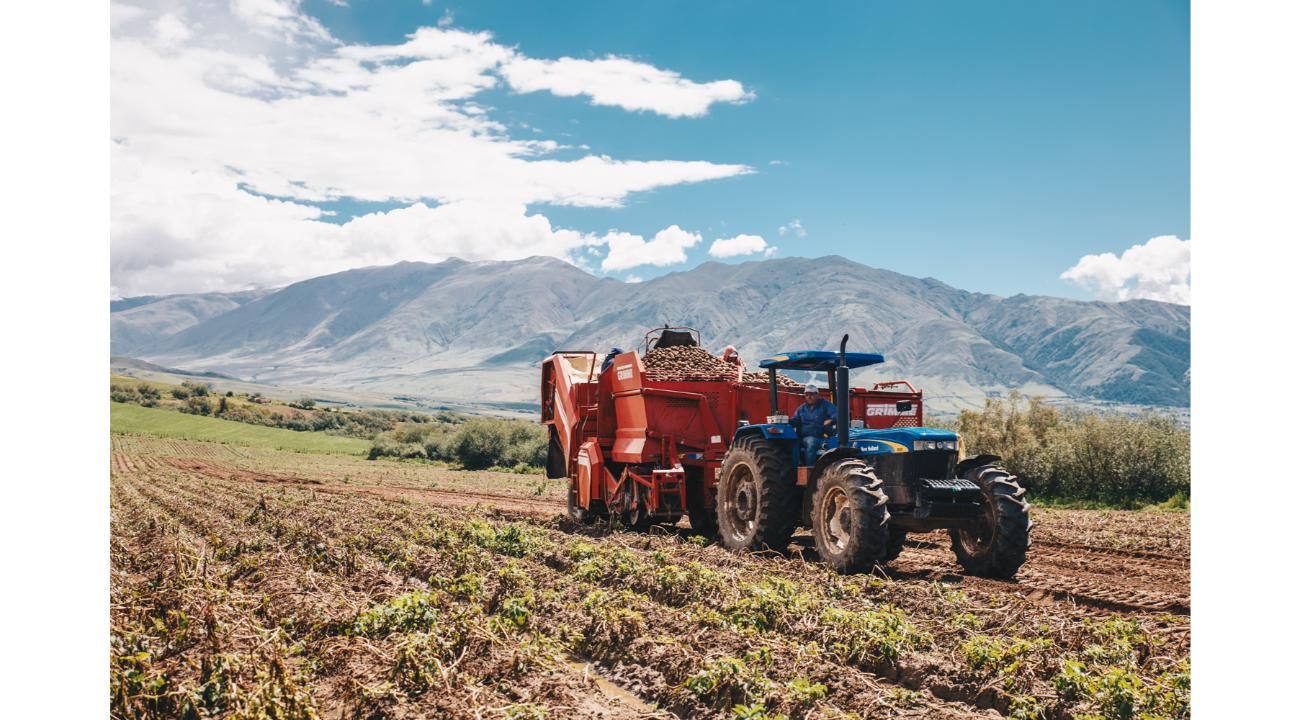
<point x="819" y="360"/>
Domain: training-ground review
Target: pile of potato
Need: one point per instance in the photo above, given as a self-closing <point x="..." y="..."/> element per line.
<point x="682" y="363"/>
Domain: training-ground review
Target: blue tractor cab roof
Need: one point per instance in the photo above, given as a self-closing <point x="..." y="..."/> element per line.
<point x="819" y="360"/>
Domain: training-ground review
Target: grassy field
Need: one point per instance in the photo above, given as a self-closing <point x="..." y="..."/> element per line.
<point x="167" y="423"/>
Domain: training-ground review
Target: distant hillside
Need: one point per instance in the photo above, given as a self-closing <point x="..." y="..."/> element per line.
<point x="459" y="330"/>
<point x="142" y="323"/>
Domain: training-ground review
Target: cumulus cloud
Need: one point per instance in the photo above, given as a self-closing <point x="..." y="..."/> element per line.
<point x="667" y="247"/>
<point x="624" y="83"/>
<point x="1159" y="269"/>
<point x="794" y="227"/>
<point x="231" y="123"/>
<point x="740" y="245"/>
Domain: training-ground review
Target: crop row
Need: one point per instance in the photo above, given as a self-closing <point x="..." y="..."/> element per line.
<point x="369" y="604"/>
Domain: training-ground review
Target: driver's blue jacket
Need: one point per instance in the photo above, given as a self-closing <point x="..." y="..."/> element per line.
<point x="811" y="420"/>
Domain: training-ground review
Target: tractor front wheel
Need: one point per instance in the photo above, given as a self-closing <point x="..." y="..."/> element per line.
<point x="995" y="546"/>
<point x="849" y="517"/>
<point x="757" y="503"/>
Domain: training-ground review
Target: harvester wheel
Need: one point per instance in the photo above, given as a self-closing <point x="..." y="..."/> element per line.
<point x="704" y="520"/>
<point x="996" y="547"/>
<point x="849" y="517"/>
<point x="757" y="503"/>
<point x="894" y="548"/>
<point x="577" y="512"/>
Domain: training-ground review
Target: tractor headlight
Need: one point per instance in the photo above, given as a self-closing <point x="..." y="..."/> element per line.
<point x="920" y="445"/>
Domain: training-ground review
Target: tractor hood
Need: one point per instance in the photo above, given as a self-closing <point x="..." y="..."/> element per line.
<point x="899" y="439"/>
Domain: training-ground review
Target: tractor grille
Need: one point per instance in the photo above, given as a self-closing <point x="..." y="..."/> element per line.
<point x="910" y="468"/>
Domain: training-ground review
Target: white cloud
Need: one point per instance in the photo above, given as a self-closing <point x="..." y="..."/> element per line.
<point x="447" y="18"/>
<point x="633" y="279"/>
<point x="794" y="227"/>
<point x="1160" y="269"/>
<point x="170" y="30"/>
<point x="623" y="83"/>
<point x="279" y="18"/>
<point x="739" y="245"/>
<point x="207" y="116"/>
<point x="667" y="247"/>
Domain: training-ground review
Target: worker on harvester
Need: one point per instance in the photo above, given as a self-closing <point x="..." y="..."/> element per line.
<point x="814" y="421"/>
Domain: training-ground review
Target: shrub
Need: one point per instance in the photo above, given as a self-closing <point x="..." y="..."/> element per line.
<point x="483" y="443"/>
<point x="1075" y="455"/>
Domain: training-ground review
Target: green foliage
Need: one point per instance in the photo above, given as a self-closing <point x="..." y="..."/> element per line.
<point x="1000" y="655"/>
<point x="756" y="711"/>
<point x="804" y="692"/>
<point x="871" y="635"/>
<point x="303" y="415"/>
<point x="1119" y="693"/>
<point x="767" y="603"/>
<point x="475" y="444"/>
<point x="1074" y="455"/>
<point x="1118" y="640"/>
<point x="417" y="610"/>
<point x="525" y="711"/>
<point x="611" y="623"/>
<point x="483" y="442"/>
<point x="509" y="539"/>
<point x="125" y="418"/>
<point x="728" y="681"/>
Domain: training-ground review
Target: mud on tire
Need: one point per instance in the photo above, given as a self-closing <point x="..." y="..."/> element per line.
<point x="758" y="502"/>
<point x="894" y="547"/>
<point x="997" y="548"/>
<point x="849" y="518"/>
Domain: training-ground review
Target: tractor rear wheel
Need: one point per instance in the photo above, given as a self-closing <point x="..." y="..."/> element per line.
<point x="704" y="520"/>
<point x="849" y="517"/>
<point x="996" y="546"/>
<point x="757" y="503"/>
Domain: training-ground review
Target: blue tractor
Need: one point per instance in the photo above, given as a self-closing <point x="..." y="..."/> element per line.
<point x="867" y="488"/>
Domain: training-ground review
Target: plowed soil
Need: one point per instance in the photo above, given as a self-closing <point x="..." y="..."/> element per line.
<point x="251" y="583"/>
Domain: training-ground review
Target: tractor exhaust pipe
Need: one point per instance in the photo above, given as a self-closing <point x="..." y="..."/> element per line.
<point x="842" y="396"/>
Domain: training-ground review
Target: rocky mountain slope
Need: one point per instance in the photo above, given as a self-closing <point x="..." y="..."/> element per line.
<point x="458" y="330"/>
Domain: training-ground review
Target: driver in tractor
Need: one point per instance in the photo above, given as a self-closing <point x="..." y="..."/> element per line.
<point x="814" y="421"/>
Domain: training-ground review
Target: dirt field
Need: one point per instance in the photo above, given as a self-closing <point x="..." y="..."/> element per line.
<point x="262" y="583"/>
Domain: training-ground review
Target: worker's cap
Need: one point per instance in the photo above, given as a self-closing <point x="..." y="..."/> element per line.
<point x="811" y="389"/>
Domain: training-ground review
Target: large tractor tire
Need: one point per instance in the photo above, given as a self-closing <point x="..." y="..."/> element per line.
<point x="704" y="520"/>
<point x="849" y="517"/>
<point x="758" y="502"/>
<point x="996" y="547"/>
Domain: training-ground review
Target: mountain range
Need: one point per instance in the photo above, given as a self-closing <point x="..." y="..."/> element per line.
<point x="458" y="330"/>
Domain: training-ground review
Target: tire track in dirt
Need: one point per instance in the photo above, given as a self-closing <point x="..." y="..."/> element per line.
<point x="1064" y="578"/>
<point x="536" y="507"/>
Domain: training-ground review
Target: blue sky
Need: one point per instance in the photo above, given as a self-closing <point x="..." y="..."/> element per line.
<point x="991" y="145"/>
